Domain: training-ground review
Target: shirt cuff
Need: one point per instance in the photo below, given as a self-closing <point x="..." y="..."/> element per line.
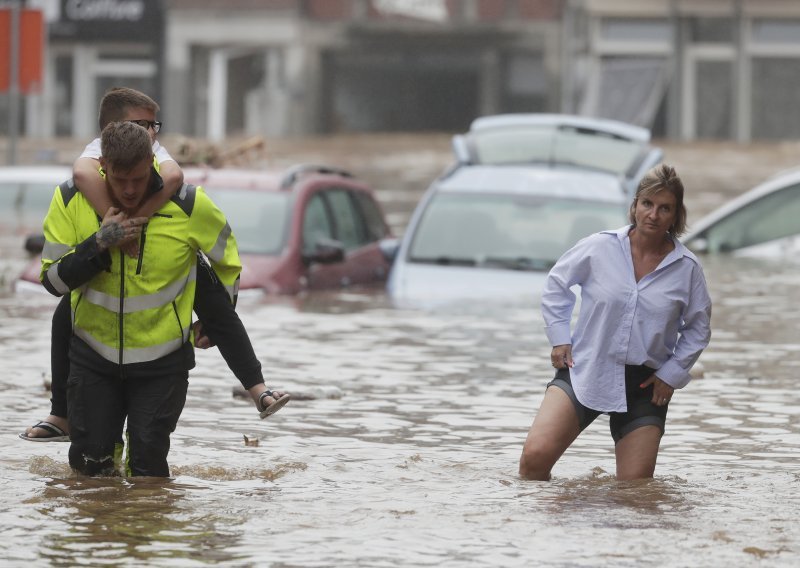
<point x="673" y="374"/>
<point x="558" y="334"/>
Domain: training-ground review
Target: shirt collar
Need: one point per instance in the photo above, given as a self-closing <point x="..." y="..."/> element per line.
<point x="679" y="251"/>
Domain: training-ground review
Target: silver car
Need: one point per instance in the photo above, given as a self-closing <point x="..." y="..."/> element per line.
<point x="762" y="222"/>
<point x="524" y="189"/>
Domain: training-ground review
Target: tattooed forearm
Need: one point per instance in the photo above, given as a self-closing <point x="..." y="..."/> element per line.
<point x="110" y="235"/>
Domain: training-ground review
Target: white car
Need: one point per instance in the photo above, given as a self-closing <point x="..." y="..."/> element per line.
<point x="525" y="188"/>
<point x="25" y="195"/>
<point x="762" y="222"/>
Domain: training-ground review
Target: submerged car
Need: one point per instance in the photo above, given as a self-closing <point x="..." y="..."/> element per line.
<point x="524" y="189"/>
<point x="763" y="222"/>
<point x="309" y="228"/>
<point x="25" y="194"/>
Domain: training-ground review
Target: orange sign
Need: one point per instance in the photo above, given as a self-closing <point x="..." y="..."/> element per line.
<point x="30" y="52"/>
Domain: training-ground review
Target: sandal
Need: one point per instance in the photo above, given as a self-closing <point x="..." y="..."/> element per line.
<point x="54" y="433"/>
<point x="275" y="406"/>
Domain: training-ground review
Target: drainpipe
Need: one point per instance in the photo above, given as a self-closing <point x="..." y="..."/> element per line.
<point x="13" y="85"/>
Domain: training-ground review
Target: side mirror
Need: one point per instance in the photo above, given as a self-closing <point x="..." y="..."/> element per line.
<point x="389" y="248"/>
<point x="699" y="244"/>
<point x="326" y="251"/>
<point x="34" y="244"/>
<point x="461" y="149"/>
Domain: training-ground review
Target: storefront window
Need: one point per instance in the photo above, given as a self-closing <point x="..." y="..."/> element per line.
<point x="63" y="95"/>
<point x="776" y="31"/>
<point x="636" y="30"/>
<point x="775" y="86"/>
<point x="714" y="99"/>
<point x="711" y="30"/>
<point x="527" y="83"/>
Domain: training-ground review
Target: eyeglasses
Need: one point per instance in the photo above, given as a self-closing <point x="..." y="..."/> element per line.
<point x="154" y="124"/>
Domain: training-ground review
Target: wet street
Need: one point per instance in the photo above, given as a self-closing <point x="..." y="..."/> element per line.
<point x="402" y="447"/>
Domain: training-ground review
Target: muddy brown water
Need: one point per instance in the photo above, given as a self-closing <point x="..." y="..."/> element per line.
<point x="415" y="464"/>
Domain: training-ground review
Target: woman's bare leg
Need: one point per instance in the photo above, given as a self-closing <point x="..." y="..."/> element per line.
<point x="553" y="430"/>
<point x="637" y="453"/>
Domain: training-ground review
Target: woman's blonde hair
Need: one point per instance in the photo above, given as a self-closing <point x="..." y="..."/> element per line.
<point x="662" y="177"/>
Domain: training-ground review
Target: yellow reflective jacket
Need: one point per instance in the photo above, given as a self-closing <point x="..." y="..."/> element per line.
<point x="135" y="310"/>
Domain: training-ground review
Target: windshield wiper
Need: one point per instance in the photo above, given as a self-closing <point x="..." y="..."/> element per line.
<point x="519" y="263"/>
<point x="445" y="260"/>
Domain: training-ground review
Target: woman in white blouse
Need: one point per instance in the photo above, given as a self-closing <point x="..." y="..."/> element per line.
<point x="644" y="320"/>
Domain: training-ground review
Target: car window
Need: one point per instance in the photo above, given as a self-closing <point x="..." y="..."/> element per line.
<point x="376" y="228"/>
<point x="316" y="224"/>
<point x="556" y="145"/>
<point x="349" y="228"/>
<point x="25" y="204"/>
<point x="506" y="230"/>
<point x="772" y="217"/>
<point x="37" y="202"/>
<point x="9" y="198"/>
<point x="258" y="218"/>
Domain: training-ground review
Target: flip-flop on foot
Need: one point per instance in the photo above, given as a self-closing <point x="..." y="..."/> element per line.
<point x="275" y="406"/>
<point x="54" y="433"/>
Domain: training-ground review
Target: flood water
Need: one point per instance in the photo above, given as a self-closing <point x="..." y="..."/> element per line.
<point x="403" y="450"/>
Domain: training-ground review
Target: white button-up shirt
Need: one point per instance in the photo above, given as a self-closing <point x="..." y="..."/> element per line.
<point x="92" y="150"/>
<point x="662" y="321"/>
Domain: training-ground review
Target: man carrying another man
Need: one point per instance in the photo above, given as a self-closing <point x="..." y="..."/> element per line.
<point x="131" y="349"/>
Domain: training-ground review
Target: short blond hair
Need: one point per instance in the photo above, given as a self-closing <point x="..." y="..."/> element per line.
<point x="124" y="145"/>
<point x="662" y="177"/>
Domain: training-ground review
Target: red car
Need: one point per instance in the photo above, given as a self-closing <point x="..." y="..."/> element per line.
<point x="309" y="228"/>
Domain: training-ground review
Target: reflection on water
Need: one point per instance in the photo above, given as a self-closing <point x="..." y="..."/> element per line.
<point x="141" y="520"/>
<point x="414" y="464"/>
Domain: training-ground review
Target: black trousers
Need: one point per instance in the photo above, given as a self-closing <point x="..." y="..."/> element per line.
<point x="99" y="404"/>
<point x="59" y="357"/>
<point x="212" y="306"/>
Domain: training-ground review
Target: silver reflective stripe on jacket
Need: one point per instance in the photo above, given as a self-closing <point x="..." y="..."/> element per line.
<point x="55" y="280"/>
<point x="54" y="251"/>
<point x="144" y="302"/>
<point x="133" y="355"/>
<point x="217" y="253"/>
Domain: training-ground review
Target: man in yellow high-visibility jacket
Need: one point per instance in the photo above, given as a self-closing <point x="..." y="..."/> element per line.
<point x="131" y="351"/>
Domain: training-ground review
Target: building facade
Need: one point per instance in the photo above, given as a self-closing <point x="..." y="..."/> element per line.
<point x="689" y="69"/>
<point x="295" y="67"/>
<point x="321" y="66"/>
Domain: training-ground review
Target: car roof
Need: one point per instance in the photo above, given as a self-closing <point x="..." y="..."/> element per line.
<point x="263" y="180"/>
<point x="256" y="179"/>
<point x="771" y="185"/>
<point x="600" y="124"/>
<point x="532" y="180"/>
<point x="56" y="174"/>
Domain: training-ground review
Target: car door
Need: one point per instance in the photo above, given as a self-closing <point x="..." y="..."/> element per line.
<point x="334" y="215"/>
<point x="360" y="226"/>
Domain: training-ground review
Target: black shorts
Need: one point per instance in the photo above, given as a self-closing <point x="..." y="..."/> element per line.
<point x="641" y="410"/>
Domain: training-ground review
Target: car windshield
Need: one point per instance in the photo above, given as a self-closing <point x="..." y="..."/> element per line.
<point x="772" y="217"/>
<point x="258" y="219"/>
<point x="506" y="231"/>
<point x="549" y="144"/>
<point x="23" y="205"/>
